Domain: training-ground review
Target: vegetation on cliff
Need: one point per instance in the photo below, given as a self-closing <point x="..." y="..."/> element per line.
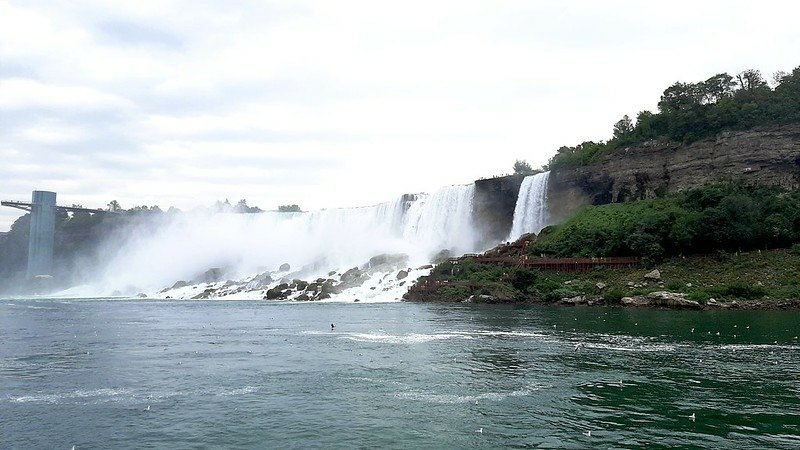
<point x="688" y="112"/>
<point x="702" y="220"/>
<point x="719" y="222"/>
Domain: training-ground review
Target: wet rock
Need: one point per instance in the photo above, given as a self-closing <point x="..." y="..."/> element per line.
<point x="205" y="294"/>
<point x="672" y="300"/>
<point x="634" y="301"/>
<point x="261" y="281"/>
<point x="301" y="285"/>
<point x="577" y="300"/>
<point x="331" y="273"/>
<point x="388" y="258"/>
<point x="351" y="275"/>
<point x="654" y="275"/>
<point x="277" y="293"/>
<point x="425" y="267"/>
<point x="356" y="301"/>
<point x="402" y="274"/>
<point x="285" y="267"/>
<point x="141" y="295"/>
<point x="303" y="297"/>
<point x="329" y="288"/>
<point x="282" y="286"/>
<point x="210" y="276"/>
<point x="179" y="284"/>
<point x="600" y="286"/>
<point x="323" y="296"/>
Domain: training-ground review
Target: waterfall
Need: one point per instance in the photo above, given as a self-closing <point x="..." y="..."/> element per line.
<point x="530" y="213"/>
<point x="181" y="246"/>
<point x="443" y="220"/>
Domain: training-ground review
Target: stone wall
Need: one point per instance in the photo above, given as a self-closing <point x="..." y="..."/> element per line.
<point x="764" y="156"/>
<point x="495" y="200"/>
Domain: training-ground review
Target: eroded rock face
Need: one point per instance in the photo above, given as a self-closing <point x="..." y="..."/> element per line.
<point x="769" y="156"/>
<point x="210" y="276"/>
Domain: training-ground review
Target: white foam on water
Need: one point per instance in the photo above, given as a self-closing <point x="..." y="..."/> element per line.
<point x="451" y="399"/>
<point x="412" y="338"/>
<point x="97" y="396"/>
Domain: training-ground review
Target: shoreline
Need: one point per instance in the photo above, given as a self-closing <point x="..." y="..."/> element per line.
<point x="634" y="303"/>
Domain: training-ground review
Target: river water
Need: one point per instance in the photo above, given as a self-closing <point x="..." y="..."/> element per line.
<point x="113" y="373"/>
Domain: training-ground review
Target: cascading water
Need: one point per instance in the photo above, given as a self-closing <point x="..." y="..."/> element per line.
<point x="443" y="220"/>
<point x="184" y="246"/>
<point x="530" y="213"/>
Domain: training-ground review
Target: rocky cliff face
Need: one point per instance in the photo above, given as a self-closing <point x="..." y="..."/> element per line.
<point x="493" y="207"/>
<point x="765" y="156"/>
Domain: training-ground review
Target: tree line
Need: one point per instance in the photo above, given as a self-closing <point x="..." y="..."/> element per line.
<point x="688" y="112"/>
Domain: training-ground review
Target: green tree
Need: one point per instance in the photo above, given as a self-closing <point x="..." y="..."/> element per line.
<point x="680" y="96"/>
<point x="521" y="167"/>
<point x="623" y="128"/>
<point x="717" y="87"/>
<point x="289" y="208"/>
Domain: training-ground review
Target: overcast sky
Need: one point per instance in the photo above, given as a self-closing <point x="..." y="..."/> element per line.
<point x="338" y="103"/>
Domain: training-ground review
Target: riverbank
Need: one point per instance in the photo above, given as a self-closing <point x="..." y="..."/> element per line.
<point x="759" y="280"/>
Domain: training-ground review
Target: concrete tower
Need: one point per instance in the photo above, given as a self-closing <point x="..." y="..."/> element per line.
<point x="40" y="243"/>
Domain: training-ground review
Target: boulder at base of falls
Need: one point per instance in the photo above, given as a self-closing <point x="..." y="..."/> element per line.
<point x="205" y="294"/>
<point x="285" y="267"/>
<point x="351" y="275"/>
<point x="260" y="281"/>
<point x="179" y="284"/>
<point x="277" y="293"/>
<point x="402" y="274"/>
<point x="211" y="275"/>
<point x="388" y="260"/>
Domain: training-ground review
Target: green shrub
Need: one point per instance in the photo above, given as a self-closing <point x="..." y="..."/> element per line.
<point x="675" y="286"/>
<point x="743" y="290"/>
<point x="558" y="294"/>
<point x="613" y="295"/>
<point x="699" y="296"/>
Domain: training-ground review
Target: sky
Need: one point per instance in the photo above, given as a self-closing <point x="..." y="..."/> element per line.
<point x="338" y="103"/>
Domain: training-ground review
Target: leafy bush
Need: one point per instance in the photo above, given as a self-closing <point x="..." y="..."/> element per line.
<point x="742" y="290"/>
<point x="613" y="295"/>
<point x="715" y="218"/>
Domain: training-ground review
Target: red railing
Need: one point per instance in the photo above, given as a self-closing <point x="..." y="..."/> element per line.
<point x="556" y="264"/>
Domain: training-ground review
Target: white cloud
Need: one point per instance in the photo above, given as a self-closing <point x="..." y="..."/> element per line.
<point x="29" y="94"/>
<point x="338" y="103"/>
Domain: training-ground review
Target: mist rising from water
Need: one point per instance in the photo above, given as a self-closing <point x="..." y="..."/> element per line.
<point x="186" y="245"/>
